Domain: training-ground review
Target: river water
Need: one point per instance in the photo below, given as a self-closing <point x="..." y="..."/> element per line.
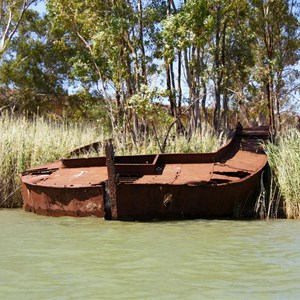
<point x="89" y="258"/>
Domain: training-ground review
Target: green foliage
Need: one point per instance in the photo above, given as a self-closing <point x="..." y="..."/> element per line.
<point x="34" y="69"/>
<point x="276" y="28"/>
<point x="220" y="55"/>
<point x="11" y="17"/>
<point x="85" y="107"/>
<point x="148" y="104"/>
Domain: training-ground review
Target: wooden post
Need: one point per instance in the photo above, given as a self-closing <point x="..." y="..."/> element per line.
<point x="111" y="187"/>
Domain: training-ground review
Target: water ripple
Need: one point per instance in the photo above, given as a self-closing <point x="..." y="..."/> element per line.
<point x="88" y="258"/>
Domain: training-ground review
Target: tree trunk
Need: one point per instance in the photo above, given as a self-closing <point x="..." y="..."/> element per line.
<point x="170" y="91"/>
<point x="218" y="79"/>
<point x="179" y="126"/>
<point x="141" y="42"/>
<point x="203" y="102"/>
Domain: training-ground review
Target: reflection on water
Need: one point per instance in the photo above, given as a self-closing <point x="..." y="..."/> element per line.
<point x="89" y="258"/>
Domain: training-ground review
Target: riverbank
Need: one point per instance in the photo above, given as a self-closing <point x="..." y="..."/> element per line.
<point x="29" y="142"/>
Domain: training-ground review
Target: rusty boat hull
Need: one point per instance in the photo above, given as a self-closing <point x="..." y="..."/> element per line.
<point x="222" y="184"/>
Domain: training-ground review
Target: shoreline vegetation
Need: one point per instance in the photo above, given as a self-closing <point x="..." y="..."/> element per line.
<point x="27" y="142"/>
<point x="284" y="160"/>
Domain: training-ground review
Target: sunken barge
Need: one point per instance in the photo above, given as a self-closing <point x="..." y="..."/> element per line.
<point x="222" y="184"/>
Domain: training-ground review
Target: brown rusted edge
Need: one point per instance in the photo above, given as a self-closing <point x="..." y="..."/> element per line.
<point x="110" y="186"/>
<point x="85" y="149"/>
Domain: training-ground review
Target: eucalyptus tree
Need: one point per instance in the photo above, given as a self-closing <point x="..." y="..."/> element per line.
<point x="276" y="29"/>
<point x="185" y="41"/>
<point x="232" y="58"/>
<point x="214" y="38"/>
<point x="34" y="68"/>
<point x="11" y="15"/>
<point x="169" y="59"/>
<point x="115" y="39"/>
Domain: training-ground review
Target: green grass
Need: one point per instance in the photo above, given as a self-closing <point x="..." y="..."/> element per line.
<point x="284" y="159"/>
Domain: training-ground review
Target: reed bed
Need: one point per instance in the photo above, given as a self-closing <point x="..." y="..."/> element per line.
<point x="199" y="142"/>
<point x="27" y="142"/>
<point x="284" y="159"/>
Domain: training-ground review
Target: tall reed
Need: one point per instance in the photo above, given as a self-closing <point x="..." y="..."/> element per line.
<point x="25" y="143"/>
<point x="284" y="159"/>
<point x="199" y="142"/>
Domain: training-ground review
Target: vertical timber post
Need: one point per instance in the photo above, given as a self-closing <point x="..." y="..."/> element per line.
<point x="111" y="183"/>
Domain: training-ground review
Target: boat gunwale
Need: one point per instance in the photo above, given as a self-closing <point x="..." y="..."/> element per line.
<point x="157" y="159"/>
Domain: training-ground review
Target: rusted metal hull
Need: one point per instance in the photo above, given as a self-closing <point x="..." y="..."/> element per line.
<point x="63" y="196"/>
<point x="167" y="202"/>
<point x="56" y="202"/>
<point x="223" y="184"/>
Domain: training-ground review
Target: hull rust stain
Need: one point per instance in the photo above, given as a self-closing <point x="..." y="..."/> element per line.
<point x="222" y="184"/>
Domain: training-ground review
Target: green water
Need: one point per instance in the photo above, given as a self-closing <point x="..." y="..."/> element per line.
<point x="89" y="258"/>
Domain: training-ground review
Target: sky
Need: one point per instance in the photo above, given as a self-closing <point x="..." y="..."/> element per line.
<point x="40" y="7"/>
